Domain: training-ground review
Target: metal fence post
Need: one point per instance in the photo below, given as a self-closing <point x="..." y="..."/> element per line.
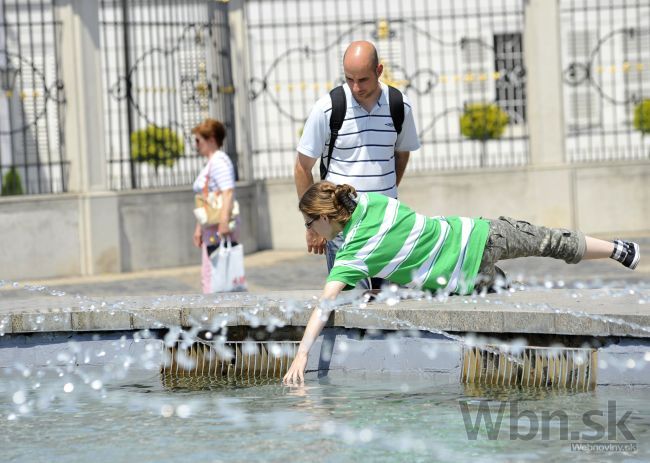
<point x="542" y="54"/>
<point x="240" y="75"/>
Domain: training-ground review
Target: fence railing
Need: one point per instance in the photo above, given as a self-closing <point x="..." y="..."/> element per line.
<point x="166" y="67"/>
<point x="606" y="65"/>
<point x="444" y="56"/>
<point x="32" y="100"/>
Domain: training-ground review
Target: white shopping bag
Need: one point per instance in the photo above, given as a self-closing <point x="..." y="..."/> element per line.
<point x="227" y="262"/>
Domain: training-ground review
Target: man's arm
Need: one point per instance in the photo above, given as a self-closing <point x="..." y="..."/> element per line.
<point x="302" y="175"/>
<point x="303" y="178"/>
<point x="401" y="160"/>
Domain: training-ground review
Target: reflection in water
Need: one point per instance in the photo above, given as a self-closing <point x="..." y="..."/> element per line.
<point x="208" y="383"/>
<point x="344" y="417"/>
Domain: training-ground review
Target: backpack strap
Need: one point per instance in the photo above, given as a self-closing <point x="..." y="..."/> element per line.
<point x="396" y="104"/>
<point x="339" y="107"/>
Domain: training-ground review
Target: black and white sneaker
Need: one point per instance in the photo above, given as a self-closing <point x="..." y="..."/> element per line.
<point x="627" y="253"/>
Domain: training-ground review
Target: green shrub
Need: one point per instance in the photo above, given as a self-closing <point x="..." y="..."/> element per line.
<point x="483" y="121"/>
<point x="158" y="146"/>
<point x="11" y="183"/>
<point x="642" y="117"/>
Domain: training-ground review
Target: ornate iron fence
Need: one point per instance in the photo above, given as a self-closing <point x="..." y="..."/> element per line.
<point x="606" y="62"/>
<point x="444" y="55"/>
<point x="166" y="67"/>
<point x="31" y="100"/>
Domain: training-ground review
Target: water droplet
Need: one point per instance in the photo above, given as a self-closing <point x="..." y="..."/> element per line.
<point x="19" y="397"/>
<point x="69" y="387"/>
<point x="166" y="410"/>
<point x="328" y="428"/>
<point x="365" y="435"/>
<point x="630" y="363"/>
<point x="183" y="411"/>
<point x="96" y="385"/>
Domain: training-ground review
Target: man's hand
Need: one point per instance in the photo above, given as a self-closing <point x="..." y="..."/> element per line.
<point x="315" y="243"/>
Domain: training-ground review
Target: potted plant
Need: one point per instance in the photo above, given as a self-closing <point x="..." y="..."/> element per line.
<point x="641" y="120"/>
<point x="157" y="146"/>
<point x="483" y="122"/>
<point x="11" y="183"/>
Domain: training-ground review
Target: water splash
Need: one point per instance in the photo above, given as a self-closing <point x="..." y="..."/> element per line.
<point x="28" y="391"/>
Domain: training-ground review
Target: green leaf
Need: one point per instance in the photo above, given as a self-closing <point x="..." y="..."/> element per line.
<point x="11" y="183"/>
<point x="483" y="121"/>
<point x="156" y="146"/>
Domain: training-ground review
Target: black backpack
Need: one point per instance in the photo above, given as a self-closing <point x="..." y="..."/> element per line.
<point x="339" y="107"/>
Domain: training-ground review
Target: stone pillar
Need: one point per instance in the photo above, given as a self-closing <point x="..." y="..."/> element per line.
<point x="82" y="78"/>
<point x="99" y="232"/>
<point x="240" y="75"/>
<point x="542" y="55"/>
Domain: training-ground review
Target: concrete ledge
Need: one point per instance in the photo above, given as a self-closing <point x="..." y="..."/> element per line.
<point x="604" y="312"/>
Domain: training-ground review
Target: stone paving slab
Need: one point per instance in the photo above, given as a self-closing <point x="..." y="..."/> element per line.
<point x="277" y="270"/>
<point x="586" y="312"/>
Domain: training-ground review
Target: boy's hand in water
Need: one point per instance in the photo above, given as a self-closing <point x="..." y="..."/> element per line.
<point x="296" y="373"/>
<point x="317" y="320"/>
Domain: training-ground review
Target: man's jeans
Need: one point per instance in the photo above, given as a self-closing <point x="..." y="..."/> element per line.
<point x="330" y="254"/>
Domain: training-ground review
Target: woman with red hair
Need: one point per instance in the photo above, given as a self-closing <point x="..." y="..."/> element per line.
<point x="219" y="176"/>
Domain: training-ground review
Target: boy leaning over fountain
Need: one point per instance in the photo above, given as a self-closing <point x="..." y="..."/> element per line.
<point x="453" y="255"/>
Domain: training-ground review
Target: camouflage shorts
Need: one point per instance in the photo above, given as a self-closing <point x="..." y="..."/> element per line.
<point x="510" y="238"/>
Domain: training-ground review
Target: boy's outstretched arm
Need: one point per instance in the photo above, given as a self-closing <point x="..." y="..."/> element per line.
<point x="319" y="316"/>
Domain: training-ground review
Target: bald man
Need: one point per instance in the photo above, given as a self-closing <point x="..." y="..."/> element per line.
<point x="368" y="153"/>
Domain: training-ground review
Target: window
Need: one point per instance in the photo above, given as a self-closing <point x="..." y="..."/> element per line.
<point x="477" y="70"/>
<point x="510" y="85"/>
<point x="581" y="97"/>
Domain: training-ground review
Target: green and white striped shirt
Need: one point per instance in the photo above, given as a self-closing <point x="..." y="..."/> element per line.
<point x="386" y="239"/>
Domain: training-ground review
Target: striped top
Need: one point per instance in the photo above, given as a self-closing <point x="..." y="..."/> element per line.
<point x="364" y="153"/>
<point x="386" y="239"/>
<point x="222" y="173"/>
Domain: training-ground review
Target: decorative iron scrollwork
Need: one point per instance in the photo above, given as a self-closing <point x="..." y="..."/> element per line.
<point x="53" y="91"/>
